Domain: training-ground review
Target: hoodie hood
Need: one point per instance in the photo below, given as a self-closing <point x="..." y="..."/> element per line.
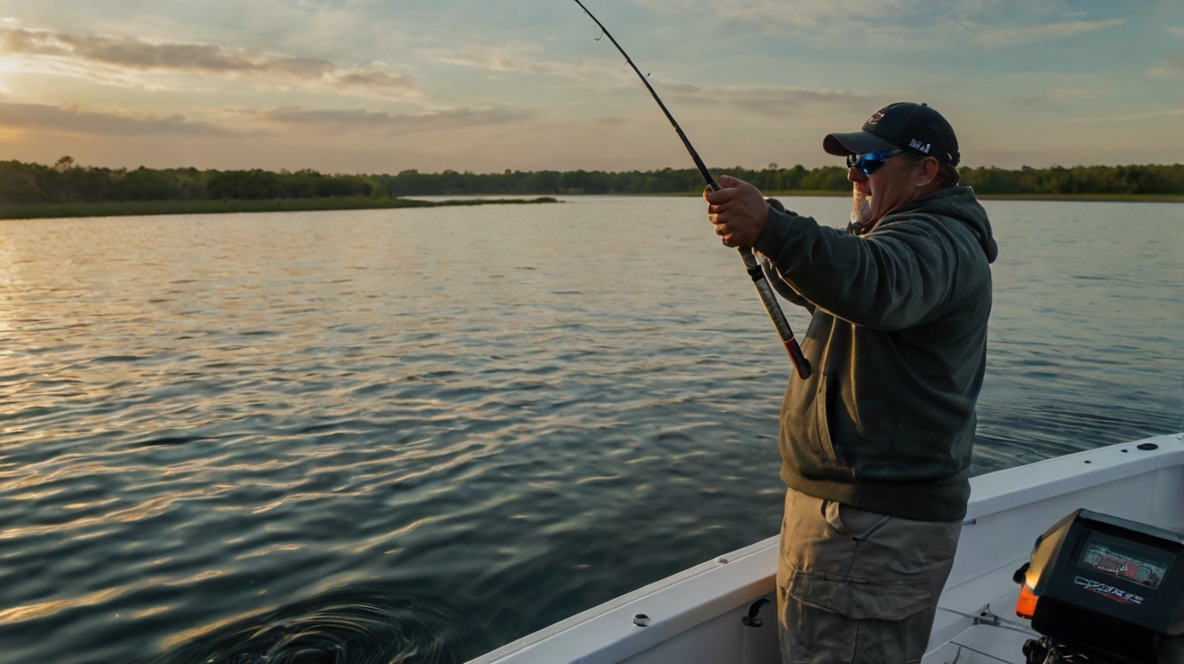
<point x="957" y="203"/>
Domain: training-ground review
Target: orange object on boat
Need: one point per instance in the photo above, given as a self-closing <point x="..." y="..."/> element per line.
<point x="1025" y="606"/>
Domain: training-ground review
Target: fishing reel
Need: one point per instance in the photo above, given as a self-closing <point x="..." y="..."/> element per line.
<point x="1104" y="590"/>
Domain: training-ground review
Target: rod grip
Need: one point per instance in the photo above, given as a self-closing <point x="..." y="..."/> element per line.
<point x="773" y="308"/>
<point x="799" y="361"/>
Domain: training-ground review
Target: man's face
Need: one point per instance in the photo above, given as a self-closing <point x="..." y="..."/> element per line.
<point x="891" y="185"/>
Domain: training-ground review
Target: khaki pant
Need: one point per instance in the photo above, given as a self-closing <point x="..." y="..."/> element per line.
<point x="856" y="587"/>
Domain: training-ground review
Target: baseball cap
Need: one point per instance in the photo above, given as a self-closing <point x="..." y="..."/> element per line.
<point x="913" y="127"/>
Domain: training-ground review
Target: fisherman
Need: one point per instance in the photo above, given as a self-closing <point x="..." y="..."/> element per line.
<point x="876" y="443"/>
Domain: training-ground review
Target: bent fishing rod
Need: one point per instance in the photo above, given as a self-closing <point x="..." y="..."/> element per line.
<point x="750" y="263"/>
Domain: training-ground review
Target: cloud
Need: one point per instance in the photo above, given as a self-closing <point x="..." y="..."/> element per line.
<point x="372" y="80"/>
<point x="1173" y="30"/>
<point x="77" y="121"/>
<point x="769" y="101"/>
<point x="137" y="54"/>
<point x="907" y="24"/>
<point x="126" y="54"/>
<point x="243" y="123"/>
<point x="1061" y="94"/>
<point x="397" y="123"/>
<point x="834" y="14"/>
<point x="1174" y="67"/>
<point x="1127" y="118"/>
<point x="502" y="59"/>
<point x="521" y="59"/>
<point x="1007" y="35"/>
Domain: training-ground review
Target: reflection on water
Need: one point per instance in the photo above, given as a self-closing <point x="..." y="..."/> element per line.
<point x="417" y="434"/>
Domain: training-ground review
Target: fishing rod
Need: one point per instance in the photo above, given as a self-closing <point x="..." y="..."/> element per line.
<point x="750" y="263"/>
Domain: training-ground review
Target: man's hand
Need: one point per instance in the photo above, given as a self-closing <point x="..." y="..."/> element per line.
<point x="739" y="212"/>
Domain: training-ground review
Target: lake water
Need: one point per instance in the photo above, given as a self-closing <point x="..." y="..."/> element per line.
<point x="368" y="435"/>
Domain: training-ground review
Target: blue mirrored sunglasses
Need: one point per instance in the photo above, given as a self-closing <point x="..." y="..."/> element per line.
<point x="868" y="162"/>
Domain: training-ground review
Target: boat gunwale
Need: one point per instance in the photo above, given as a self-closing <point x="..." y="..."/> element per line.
<point x="997" y="492"/>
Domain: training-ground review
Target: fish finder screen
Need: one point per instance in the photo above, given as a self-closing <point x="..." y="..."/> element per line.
<point x="1125" y="559"/>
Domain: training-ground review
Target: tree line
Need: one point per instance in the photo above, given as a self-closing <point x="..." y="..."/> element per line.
<point x="66" y="181"/>
<point x="1148" y="179"/>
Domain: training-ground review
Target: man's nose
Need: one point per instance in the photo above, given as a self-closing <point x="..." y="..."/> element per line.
<point x="855" y="175"/>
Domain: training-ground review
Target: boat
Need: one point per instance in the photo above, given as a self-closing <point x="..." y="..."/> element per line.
<point x="723" y="610"/>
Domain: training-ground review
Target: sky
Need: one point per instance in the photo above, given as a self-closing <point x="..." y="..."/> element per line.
<point x="382" y="86"/>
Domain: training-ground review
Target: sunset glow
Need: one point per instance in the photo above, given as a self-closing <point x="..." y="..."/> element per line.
<point x="365" y="86"/>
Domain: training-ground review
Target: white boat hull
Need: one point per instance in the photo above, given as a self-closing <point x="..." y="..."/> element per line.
<point x="696" y="616"/>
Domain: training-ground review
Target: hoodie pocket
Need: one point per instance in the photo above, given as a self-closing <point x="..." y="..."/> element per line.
<point x="822" y="418"/>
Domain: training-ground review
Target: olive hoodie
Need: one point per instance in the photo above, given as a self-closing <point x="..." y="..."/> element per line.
<point x="897" y="347"/>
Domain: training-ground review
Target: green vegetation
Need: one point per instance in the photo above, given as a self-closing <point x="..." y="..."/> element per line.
<point x="665" y="181"/>
<point x="67" y="182"/>
<point x="1150" y="182"/>
<point x="132" y="208"/>
<point x="66" y="189"/>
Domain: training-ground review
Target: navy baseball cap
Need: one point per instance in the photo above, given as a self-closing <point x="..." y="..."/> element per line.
<point x="905" y="125"/>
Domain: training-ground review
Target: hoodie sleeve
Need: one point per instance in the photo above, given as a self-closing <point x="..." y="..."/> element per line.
<point x="898" y="276"/>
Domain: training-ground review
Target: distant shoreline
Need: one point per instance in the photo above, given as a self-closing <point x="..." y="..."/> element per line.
<point x="171" y="207"/>
<point x="67" y="183"/>
<point x="1087" y="198"/>
<point x="174" y="207"/>
<point x="1081" y="198"/>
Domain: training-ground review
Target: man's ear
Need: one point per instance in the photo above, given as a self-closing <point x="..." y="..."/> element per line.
<point x="929" y="169"/>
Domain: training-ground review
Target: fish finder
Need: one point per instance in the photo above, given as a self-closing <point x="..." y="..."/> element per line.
<point x="1103" y="589"/>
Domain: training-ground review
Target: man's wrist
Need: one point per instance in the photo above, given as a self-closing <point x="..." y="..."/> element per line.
<point x="776" y="230"/>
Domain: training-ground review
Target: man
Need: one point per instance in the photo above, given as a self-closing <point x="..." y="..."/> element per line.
<point x="876" y="444"/>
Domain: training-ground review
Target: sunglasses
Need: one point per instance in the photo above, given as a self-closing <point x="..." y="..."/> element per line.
<point x="869" y="162"/>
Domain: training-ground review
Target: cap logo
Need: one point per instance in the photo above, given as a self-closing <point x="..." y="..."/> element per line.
<point x="914" y="144"/>
<point x="876" y="117"/>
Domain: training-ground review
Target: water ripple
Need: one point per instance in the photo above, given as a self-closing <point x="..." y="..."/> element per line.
<point x="262" y="438"/>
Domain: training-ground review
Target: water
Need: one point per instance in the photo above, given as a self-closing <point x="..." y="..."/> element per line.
<point x="413" y="435"/>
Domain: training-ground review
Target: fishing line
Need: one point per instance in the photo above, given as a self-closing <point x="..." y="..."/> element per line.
<point x="750" y="262"/>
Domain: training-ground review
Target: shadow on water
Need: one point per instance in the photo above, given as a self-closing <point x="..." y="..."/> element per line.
<point x="347" y="626"/>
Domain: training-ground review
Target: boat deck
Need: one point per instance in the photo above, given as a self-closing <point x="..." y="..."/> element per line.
<point x="1009" y="509"/>
<point x="696" y="616"/>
